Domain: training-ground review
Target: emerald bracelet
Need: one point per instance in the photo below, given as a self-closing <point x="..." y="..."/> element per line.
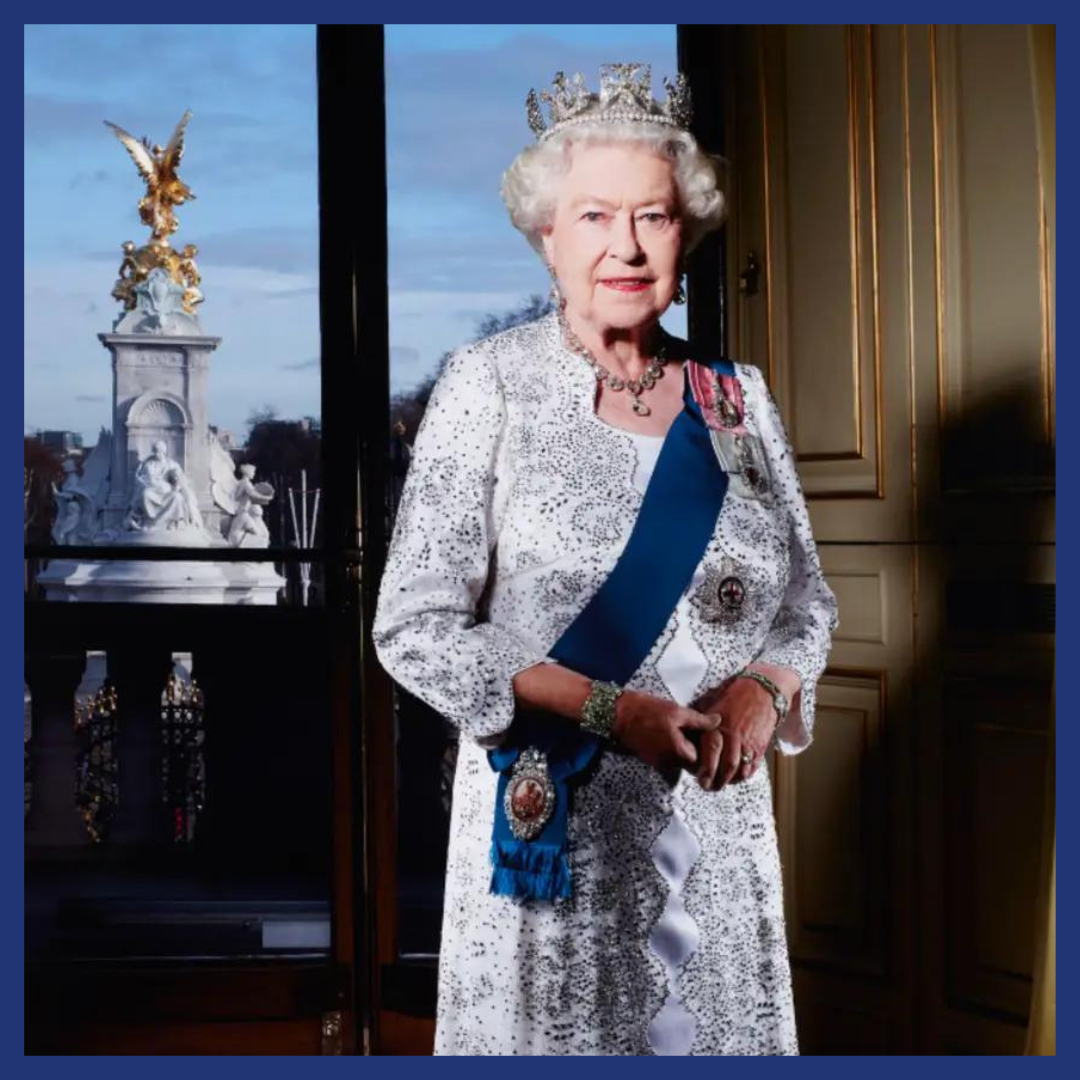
<point x="598" y="712"/>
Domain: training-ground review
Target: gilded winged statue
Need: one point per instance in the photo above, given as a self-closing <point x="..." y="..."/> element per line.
<point x="165" y="191"/>
<point x="158" y="166"/>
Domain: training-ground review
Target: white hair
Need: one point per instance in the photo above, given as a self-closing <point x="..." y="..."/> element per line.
<point x="528" y="186"/>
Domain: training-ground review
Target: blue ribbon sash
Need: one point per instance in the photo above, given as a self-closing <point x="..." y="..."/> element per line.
<point x="610" y="638"/>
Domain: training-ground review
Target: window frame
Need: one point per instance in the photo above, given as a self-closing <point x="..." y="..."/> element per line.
<point x="380" y="996"/>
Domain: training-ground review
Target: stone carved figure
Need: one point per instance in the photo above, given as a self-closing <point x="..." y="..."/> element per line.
<point x="243" y="498"/>
<point x="162" y="497"/>
<point x="79" y="498"/>
<point x="68" y="505"/>
<point x="158" y="298"/>
<point x="247" y="527"/>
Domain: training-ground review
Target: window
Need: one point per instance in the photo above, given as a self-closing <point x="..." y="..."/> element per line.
<point x="219" y="361"/>
<point x="180" y="770"/>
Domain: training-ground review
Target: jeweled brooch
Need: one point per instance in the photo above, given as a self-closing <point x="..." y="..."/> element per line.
<point x="723" y="596"/>
<point x="530" y="795"/>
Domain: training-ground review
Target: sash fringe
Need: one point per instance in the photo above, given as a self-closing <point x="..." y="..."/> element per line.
<point x="523" y="870"/>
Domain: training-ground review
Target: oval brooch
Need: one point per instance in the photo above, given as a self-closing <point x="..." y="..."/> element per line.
<point x="530" y="795"/>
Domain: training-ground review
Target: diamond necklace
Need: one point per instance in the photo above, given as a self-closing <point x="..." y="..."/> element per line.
<point x="647" y="380"/>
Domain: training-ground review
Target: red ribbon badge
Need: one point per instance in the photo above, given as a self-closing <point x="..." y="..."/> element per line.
<point x="719" y="397"/>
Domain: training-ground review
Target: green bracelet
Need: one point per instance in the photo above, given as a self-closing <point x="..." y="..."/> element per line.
<point x="598" y="712"/>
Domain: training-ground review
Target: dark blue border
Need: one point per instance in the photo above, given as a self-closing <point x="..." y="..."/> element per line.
<point x="195" y="11"/>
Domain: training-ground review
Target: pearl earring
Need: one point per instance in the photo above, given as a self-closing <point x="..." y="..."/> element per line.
<point x="556" y="296"/>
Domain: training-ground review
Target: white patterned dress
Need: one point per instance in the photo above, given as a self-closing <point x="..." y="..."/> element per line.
<point x="518" y="501"/>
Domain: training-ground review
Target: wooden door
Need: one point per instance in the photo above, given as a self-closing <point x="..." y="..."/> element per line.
<point x="895" y="186"/>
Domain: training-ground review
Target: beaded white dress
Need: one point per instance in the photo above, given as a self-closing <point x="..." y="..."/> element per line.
<point x="517" y="504"/>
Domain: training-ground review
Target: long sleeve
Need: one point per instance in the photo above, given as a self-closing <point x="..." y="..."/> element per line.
<point x="801" y="633"/>
<point x="427" y="631"/>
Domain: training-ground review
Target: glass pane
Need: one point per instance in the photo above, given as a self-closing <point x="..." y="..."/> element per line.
<point x="177" y="805"/>
<point x="459" y="271"/>
<point x="178" y="802"/>
<point x="172" y="391"/>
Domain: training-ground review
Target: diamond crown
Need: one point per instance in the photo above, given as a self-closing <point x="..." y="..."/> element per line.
<point x="625" y="94"/>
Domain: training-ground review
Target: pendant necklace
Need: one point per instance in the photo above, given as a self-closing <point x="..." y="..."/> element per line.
<point x="647" y="381"/>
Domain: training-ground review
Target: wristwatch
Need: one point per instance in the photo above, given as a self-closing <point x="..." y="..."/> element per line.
<point x="779" y="699"/>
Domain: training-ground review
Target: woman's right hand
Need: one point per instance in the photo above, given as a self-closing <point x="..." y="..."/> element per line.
<point x="653" y="728"/>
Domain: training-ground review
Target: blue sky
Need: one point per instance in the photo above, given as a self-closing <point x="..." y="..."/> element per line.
<point x="455" y="120"/>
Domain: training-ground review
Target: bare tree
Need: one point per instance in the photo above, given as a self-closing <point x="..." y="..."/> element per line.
<point x="407" y="408"/>
<point x="41" y="467"/>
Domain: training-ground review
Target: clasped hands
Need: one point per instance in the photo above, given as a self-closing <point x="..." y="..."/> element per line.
<point x="708" y="738"/>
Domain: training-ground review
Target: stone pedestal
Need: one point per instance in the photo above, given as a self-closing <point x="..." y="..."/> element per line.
<point x="160" y="367"/>
<point x="119" y="581"/>
<point x="159" y="392"/>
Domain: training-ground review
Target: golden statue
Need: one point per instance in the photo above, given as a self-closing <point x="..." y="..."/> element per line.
<point x="190" y="277"/>
<point x="158" y="166"/>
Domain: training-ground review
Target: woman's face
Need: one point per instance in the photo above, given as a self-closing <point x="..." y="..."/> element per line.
<point x="616" y="238"/>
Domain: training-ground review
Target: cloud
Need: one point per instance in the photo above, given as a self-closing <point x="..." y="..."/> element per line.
<point x="50" y="119"/>
<point x="270" y="62"/>
<point x="456" y="118"/>
<point x="492" y="259"/>
<point x="251" y="89"/>
<point x="286" y="248"/>
<point x="246" y="368"/>
<point x="403" y="354"/>
<point x="87" y="178"/>
<point x="53" y="119"/>
<point x="288" y="294"/>
<point x="399" y="354"/>
<point x="463" y="140"/>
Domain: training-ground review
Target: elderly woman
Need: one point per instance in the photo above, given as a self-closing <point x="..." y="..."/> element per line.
<point x="603" y="573"/>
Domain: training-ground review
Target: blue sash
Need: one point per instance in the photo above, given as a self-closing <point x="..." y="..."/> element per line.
<point x="610" y="638"/>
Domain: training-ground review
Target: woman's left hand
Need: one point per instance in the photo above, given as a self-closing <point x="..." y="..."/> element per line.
<point x="749" y="720"/>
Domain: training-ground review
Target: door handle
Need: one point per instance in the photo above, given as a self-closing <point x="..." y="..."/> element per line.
<point x="748" y="278"/>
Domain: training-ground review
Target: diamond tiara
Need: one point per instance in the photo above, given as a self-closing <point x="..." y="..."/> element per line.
<point x="625" y="94"/>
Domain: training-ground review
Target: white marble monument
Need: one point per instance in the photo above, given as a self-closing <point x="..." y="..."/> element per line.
<point x="160" y="477"/>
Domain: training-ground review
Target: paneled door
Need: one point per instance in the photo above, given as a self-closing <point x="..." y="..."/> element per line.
<point x="890" y="264"/>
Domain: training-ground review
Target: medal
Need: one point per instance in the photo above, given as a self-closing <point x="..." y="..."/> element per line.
<point x="723" y="409"/>
<point x="719" y="397"/>
<point x="723" y="596"/>
<point x="752" y="466"/>
<point x="530" y="795"/>
<point x="727" y="414"/>
<point x="743" y="459"/>
<point x="730" y="594"/>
